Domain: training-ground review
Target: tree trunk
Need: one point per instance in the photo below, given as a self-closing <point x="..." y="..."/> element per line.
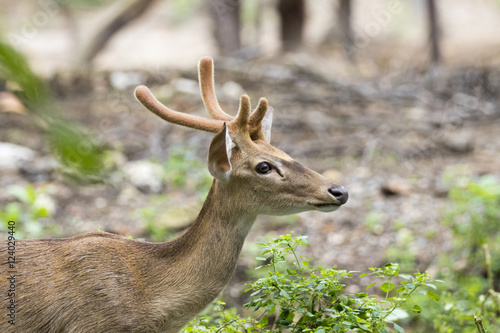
<point x="344" y="19"/>
<point x="131" y="11"/>
<point x="434" y="33"/>
<point x="292" y="14"/>
<point x="226" y="18"/>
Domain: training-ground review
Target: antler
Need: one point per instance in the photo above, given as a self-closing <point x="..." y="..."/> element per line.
<point x="147" y="99"/>
<point x="244" y="120"/>
<point x="206" y="79"/>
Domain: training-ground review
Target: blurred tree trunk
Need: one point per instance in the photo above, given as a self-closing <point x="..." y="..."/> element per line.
<point x="129" y="12"/>
<point x="344" y="19"/>
<point x="72" y="27"/>
<point x="226" y="18"/>
<point x="292" y="14"/>
<point x="434" y="33"/>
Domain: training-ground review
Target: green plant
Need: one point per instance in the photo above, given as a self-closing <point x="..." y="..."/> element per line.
<point x="80" y="155"/>
<point x="217" y="318"/>
<point x="473" y="216"/>
<point x="295" y="296"/>
<point x="33" y="205"/>
<point x="404" y="250"/>
<point x="471" y="266"/>
<point x="184" y="168"/>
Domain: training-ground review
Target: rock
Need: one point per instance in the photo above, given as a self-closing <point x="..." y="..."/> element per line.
<point x="40" y="169"/>
<point x="114" y="159"/>
<point x="10" y="103"/>
<point x="129" y="194"/>
<point x="145" y="175"/>
<point x="122" y="80"/>
<point x="12" y="156"/>
<point x="458" y="141"/>
<point x="186" y="86"/>
<point x="396" y="186"/>
<point x="179" y="217"/>
<point x="232" y="90"/>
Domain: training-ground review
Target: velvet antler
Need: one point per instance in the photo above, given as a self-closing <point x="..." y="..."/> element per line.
<point x="244" y="121"/>
<point x="147" y="99"/>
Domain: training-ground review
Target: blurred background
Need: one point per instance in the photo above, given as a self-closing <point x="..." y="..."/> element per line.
<point x="397" y="100"/>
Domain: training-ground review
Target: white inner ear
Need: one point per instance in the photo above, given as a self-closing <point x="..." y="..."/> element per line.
<point x="267" y="122"/>
<point x="229" y="147"/>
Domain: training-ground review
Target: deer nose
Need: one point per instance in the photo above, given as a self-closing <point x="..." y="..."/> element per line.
<point x="340" y="194"/>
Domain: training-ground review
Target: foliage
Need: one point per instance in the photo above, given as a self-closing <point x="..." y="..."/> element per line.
<point x="76" y="150"/>
<point x="473" y="216"/>
<point x="33" y="205"/>
<point x="183" y="169"/>
<point x="217" y="318"/>
<point x="304" y="298"/>
<point x="472" y="266"/>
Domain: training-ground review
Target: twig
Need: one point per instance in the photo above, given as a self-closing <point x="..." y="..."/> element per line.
<point x="488" y="266"/>
<point x="491" y="290"/>
<point x="479" y="324"/>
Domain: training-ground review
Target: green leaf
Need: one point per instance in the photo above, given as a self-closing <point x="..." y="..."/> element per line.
<point x="401" y="289"/>
<point x="431" y="285"/>
<point x="361" y="295"/>
<point x="364" y="274"/>
<point x="386" y="287"/>
<point x="19" y="193"/>
<point x="416" y="309"/>
<point x="285" y="294"/>
<point x="396" y="314"/>
<point x="370" y="285"/>
<point x="261" y="258"/>
<point x="305" y="263"/>
<point x="433" y="296"/>
<point x="43" y="212"/>
<point x="264" y="321"/>
<point x="398" y="328"/>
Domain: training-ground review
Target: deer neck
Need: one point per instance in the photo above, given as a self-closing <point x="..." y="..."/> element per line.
<point x="209" y="250"/>
<point x="222" y="216"/>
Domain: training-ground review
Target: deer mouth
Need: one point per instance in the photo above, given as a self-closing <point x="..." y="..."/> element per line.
<point x="326" y="207"/>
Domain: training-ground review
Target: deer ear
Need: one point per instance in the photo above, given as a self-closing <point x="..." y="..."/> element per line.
<point x="219" y="155"/>
<point x="266" y="124"/>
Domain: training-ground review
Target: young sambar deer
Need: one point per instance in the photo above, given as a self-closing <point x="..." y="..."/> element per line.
<point x="101" y="282"/>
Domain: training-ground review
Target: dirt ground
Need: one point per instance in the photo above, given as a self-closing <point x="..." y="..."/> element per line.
<point x="388" y="128"/>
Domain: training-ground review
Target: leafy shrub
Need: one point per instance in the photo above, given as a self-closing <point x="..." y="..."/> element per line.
<point x="472" y="266"/>
<point x="295" y="296"/>
<point x="32" y="206"/>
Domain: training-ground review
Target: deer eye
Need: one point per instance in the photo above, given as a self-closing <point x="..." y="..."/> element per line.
<point x="263" y="168"/>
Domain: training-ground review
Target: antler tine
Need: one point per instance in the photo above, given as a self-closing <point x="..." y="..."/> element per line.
<point x="241" y="119"/>
<point x="147" y="99"/>
<point x="206" y="78"/>
<point x="259" y="113"/>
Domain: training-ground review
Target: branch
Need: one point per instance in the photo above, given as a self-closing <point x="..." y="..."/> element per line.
<point x="129" y="13"/>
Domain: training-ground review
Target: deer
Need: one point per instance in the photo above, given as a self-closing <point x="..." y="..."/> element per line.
<point x="103" y="282"/>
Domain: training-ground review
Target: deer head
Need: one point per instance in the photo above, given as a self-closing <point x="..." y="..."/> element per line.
<point x="261" y="178"/>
